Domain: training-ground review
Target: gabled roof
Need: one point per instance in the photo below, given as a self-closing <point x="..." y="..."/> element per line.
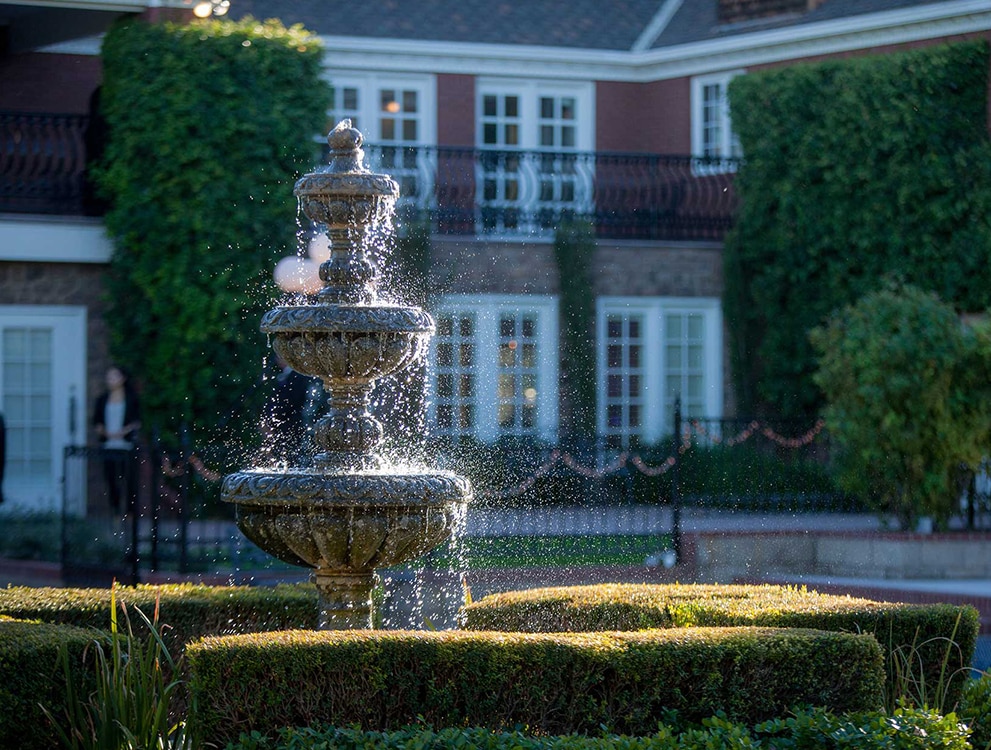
<point x="616" y="25"/>
<point x="588" y="24"/>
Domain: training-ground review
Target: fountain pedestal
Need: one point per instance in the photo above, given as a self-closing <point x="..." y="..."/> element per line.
<point x="350" y="513"/>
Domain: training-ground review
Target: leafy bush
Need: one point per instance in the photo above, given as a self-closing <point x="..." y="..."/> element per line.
<point x="938" y="640"/>
<point x="210" y="123"/>
<point x="854" y="169"/>
<point x="908" y="392"/>
<point x="975" y="710"/>
<point x="190" y="611"/>
<point x="551" y="683"/>
<point x="806" y="729"/>
<point x="30" y="677"/>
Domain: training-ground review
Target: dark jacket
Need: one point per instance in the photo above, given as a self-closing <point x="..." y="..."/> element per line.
<point x="131" y="413"/>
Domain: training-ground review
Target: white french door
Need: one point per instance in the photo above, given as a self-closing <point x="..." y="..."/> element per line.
<point x="42" y="398"/>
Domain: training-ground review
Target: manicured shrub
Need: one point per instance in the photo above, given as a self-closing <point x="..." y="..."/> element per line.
<point x="549" y="683"/>
<point x="810" y="728"/>
<point x="186" y="611"/>
<point x="31" y="676"/>
<point x="905" y="423"/>
<point x="913" y="634"/>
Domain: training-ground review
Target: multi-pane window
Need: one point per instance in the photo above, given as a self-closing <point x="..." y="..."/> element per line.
<point x="455" y="374"/>
<point x="494" y="366"/>
<point x="396" y="114"/>
<point x="43" y="400"/>
<point x="532" y="173"/>
<point x="27" y="401"/>
<point x="517" y="390"/>
<point x="500" y="162"/>
<point x="684" y="363"/>
<point x="713" y="138"/>
<point x="654" y="352"/>
<point x="624" y="377"/>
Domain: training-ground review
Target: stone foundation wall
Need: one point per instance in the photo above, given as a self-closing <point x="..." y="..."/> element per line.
<point x="727" y="557"/>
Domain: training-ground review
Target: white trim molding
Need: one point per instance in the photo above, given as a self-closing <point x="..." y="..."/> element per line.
<point x="54" y="240"/>
<point x="932" y="21"/>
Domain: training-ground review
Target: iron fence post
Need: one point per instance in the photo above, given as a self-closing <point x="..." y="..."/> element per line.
<point x="155" y="452"/>
<point x="675" y="491"/>
<point x="185" y="453"/>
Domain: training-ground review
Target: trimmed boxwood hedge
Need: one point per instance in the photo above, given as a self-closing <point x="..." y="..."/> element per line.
<point x="549" y="683"/>
<point x="188" y="611"/>
<point x="923" y="633"/>
<point x="31" y="675"/>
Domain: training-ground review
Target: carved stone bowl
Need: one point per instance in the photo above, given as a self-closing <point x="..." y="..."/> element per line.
<point x="347" y="522"/>
<point x="348" y="343"/>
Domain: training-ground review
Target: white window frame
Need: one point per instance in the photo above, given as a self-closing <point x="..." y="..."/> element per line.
<point x="368" y="85"/>
<point x="487" y="309"/>
<point x="68" y="407"/>
<point x="530" y="93"/>
<point x="655" y="422"/>
<point x="728" y="145"/>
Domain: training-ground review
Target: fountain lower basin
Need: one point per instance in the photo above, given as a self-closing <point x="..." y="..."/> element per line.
<point x="346" y="524"/>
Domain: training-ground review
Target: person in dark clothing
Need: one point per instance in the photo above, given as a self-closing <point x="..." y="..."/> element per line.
<point x="116" y="421"/>
<point x="283" y="418"/>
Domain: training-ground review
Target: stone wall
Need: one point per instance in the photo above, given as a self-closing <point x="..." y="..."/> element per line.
<point x="727" y="557"/>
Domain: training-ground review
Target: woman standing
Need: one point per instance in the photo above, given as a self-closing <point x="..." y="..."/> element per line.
<point x="116" y="421"/>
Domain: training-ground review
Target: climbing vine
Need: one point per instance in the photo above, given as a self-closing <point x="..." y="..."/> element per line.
<point x="210" y="124"/>
<point x="574" y="247"/>
<point x="854" y="169"/>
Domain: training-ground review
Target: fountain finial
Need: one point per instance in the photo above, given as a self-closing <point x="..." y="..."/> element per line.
<point x="346" y="154"/>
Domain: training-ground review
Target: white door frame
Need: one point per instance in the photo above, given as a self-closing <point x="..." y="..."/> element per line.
<point x="68" y="407"/>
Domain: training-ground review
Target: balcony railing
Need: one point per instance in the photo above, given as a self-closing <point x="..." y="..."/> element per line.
<point x="501" y="193"/>
<point x="43" y="163"/>
<point x="462" y="191"/>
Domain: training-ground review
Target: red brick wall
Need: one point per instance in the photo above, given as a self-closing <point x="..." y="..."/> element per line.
<point x="65" y="284"/>
<point x="644" y="117"/>
<point x="41" y="82"/>
<point x="455" y="110"/>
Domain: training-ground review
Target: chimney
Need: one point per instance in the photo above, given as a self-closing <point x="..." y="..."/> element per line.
<point x="737" y="11"/>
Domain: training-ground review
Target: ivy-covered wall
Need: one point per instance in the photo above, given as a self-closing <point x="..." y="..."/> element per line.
<point x="854" y="169"/>
<point x="210" y="124"/>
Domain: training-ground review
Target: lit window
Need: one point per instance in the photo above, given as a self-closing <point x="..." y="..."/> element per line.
<point x="494" y="366"/>
<point x="654" y="352"/>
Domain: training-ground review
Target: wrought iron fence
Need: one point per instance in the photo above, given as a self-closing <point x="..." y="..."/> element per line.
<point x="43" y="163"/>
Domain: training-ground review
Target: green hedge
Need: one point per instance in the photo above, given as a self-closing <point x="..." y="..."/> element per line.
<point x="31" y="675"/>
<point x="550" y="683"/>
<point x="854" y="169"/>
<point x="920" y="633"/>
<point x="188" y="611"/>
<point x="812" y="728"/>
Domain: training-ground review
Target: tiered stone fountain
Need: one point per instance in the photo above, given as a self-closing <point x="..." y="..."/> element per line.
<point x="349" y="512"/>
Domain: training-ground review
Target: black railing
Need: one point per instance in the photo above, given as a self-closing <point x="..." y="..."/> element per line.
<point x="499" y="193"/>
<point x="43" y="163"/>
<point x="461" y="191"/>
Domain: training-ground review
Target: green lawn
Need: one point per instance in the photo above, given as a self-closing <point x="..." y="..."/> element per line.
<point x="552" y="551"/>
